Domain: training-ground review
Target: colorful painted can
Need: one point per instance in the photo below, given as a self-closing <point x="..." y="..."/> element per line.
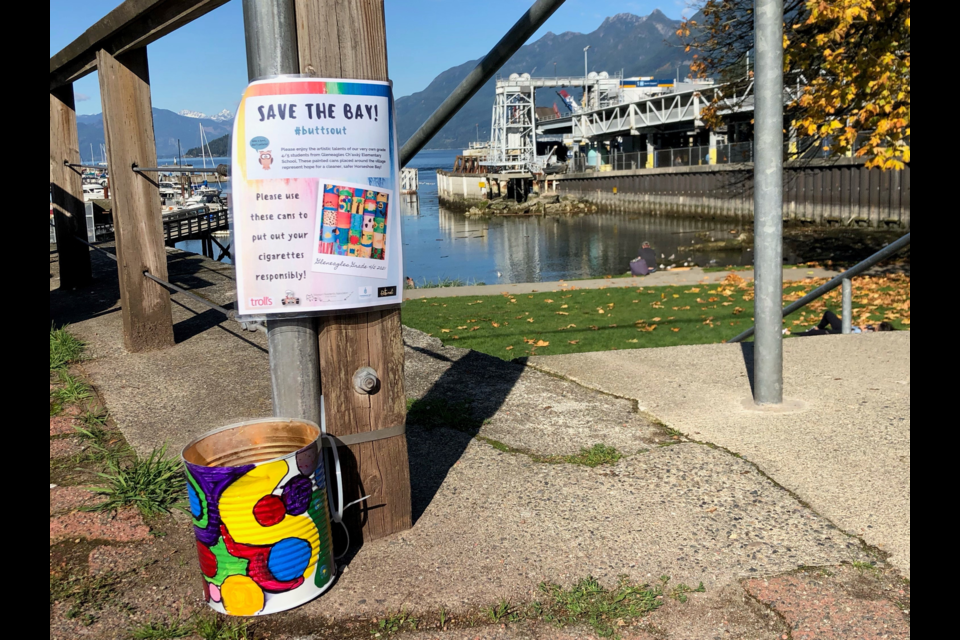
<point x="258" y="499"/>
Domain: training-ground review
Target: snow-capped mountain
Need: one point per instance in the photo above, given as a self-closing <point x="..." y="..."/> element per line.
<point x="223" y="116"/>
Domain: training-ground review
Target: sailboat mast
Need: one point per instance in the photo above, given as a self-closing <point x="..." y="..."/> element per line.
<point x="203" y="154"/>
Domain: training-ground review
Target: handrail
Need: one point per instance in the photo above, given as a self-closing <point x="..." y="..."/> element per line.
<point x="855" y="270"/>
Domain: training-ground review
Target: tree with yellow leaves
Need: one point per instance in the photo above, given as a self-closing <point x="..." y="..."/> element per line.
<point x="850" y="58"/>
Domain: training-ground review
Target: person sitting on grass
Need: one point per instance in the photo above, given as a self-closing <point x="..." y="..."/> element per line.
<point x="831" y="324"/>
<point x="644" y="263"/>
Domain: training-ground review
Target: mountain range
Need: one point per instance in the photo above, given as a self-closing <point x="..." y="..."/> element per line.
<point x="635" y="45"/>
<point x="224" y="115"/>
<point x="168" y="127"/>
<point x="627" y="43"/>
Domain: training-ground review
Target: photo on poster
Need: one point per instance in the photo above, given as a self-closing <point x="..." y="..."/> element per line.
<point x="350" y="235"/>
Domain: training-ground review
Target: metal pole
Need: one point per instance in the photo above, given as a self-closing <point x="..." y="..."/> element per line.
<point x="525" y="27"/>
<point x="270" y="29"/>
<point x="847" y="305"/>
<point x="767" y="202"/>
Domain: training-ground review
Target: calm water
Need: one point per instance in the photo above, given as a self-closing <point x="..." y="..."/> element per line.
<point x="442" y="244"/>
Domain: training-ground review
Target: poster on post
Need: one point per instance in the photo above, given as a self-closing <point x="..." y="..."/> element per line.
<point x="316" y="220"/>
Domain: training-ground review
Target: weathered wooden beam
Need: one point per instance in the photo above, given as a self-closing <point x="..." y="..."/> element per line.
<point x="347" y="39"/>
<point x="135" y="197"/>
<point x="133" y="24"/>
<point x="69" y="214"/>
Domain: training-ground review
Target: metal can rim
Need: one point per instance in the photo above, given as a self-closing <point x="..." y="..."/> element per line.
<point x="245" y="423"/>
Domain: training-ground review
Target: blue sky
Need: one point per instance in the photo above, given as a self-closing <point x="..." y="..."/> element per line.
<point x="202" y="66"/>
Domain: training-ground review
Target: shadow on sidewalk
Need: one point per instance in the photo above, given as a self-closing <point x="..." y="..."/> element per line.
<point x="187" y="270"/>
<point x="471" y="387"/>
<point x="746" y="350"/>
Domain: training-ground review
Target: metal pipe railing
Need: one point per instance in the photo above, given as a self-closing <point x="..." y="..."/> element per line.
<point x="855" y="270"/>
<point x="80" y="165"/>
<point x="250" y="325"/>
<point x="518" y="34"/>
<point x="220" y="169"/>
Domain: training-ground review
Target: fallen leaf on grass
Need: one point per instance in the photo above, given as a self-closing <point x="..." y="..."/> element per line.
<point x="634" y="340"/>
<point x="463" y="327"/>
<point x="529" y="319"/>
<point x="564" y="306"/>
<point x="676" y="295"/>
<point x="474" y="328"/>
<point x="495" y="324"/>
<point x="510" y="347"/>
<point x="674" y="328"/>
<point x="573" y="341"/>
<point x="737" y="311"/>
<point x="561" y="313"/>
<point x="541" y="343"/>
<point x="548" y="300"/>
<point x="693" y="290"/>
<point x="654" y="319"/>
<point x="594" y="327"/>
<point x="446" y="330"/>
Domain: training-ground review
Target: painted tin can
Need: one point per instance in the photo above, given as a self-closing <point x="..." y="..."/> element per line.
<point x="258" y="498"/>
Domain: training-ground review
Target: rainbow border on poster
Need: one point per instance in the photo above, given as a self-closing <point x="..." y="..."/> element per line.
<point x="308" y="86"/>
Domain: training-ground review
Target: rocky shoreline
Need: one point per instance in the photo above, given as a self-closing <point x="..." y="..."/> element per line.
<point x="535" y="205"/>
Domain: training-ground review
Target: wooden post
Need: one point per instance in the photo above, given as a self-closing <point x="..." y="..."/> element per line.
<point x="66" y="187"/>
<point x="340" y="39"/>
<point x="137" y="222"/>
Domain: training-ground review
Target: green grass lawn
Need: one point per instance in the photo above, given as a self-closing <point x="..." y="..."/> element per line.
<point x="511" y="326"/>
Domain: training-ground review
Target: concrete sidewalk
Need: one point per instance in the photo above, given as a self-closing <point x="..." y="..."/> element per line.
<point x="679" y="276"/>
<point x="843" y="446"/>
<point x="497" y="507"/>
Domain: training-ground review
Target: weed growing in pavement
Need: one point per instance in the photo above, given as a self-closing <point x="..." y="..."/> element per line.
<point x="154" y="485"/>
<point x="93" y="430"/>
<point x="502" y="610"/>
<point x="595" y="456"/>
<point x="598" y="454"/>
<point x="865" y="566"/>
<point x="392" y="624"/>
<point x="443" y="617"/>
<point x="64" y="348"/>
<point x="680" y="591"/>
<point x="86" y="594"/>
<point x="72" y="390"/>
<point x="603" y="609"/>
<point x="221" y="629"/>
<point x="162" y="630"/>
